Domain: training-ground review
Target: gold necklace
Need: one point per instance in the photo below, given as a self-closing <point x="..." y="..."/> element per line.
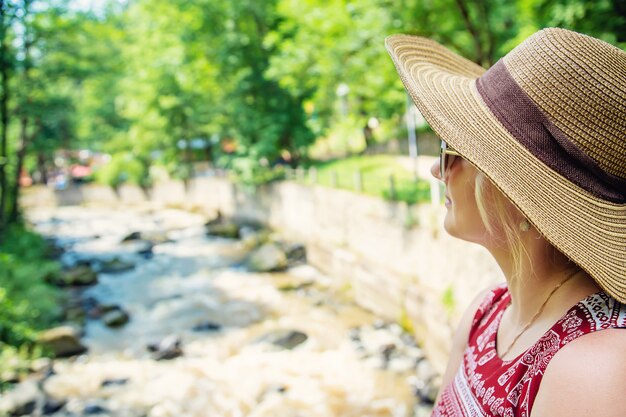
<point x="540" y="310"/>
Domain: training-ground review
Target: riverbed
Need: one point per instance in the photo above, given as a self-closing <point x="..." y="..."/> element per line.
<point x="275" y="344"/>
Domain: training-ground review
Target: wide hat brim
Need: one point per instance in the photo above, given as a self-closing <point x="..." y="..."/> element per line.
<point x="587" y="229"/>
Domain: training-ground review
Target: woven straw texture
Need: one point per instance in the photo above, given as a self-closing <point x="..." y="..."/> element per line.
<point x="551" y="67"/>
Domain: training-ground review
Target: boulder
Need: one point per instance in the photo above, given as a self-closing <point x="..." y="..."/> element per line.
<point x="286" y="339"/>
<point x="74" y="314"/>
<point x="424" y="371"/>
<point x="114" y="382"/>
<point x="166" y="349"/>
<point x="52" y="405"/>
<point x="267" y="258"/>
<point x="96" y="310"/>
<point x="22" y="400"/>
<point x="215" y="220"/>
<point x="52" y="249"/>
<point x="296" y="253"/>
<point x="227" y="229"/>
<point x="140" y="247"/>
<point x="79" y="275"/>
<point x="131" y="236"/>
<point x="115" y="317"/>
<point x="116" y="265"/>
<point x="252" y="236"/>
<point x="63" y="341"/>
<point x="91" y="409"/>
<point x="207" y="326"/>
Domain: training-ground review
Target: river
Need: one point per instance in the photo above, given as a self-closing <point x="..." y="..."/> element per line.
<point x="227" y="323"/>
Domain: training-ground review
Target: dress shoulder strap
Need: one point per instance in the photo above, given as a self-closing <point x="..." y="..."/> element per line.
<point x="496" y="299"/>
<point x="596" y="312"/>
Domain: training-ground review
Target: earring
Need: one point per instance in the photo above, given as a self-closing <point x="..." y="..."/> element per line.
<point x="524" y="225"/>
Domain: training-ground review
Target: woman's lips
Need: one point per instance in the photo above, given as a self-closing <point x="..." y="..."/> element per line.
<point x="448" y="201"/>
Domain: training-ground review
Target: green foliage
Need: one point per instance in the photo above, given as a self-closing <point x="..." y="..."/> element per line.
<point x="251" y="172"/>
<point x="123" y="168"/>
<point x="376" y="173"/>
<point x="15" y="362"/>
<point x="27" y="302"/>
<point x="448" y="301"/>
<point x="409" y="191"/>
<point x="148" y="78"/>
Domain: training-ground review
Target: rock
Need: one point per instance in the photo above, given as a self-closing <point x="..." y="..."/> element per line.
<point x="166" y="349"/>
<point x="429" y="394"/>
<point x="132" y="236"/>
<point x="22" y="400"/>
<point x="147" y="252"/>
<point x="53" y="250"/>
<point x="286" y="339"/>
<point x="426" y="392"/>
<point x="267" y="258"/>
<point x="227" y="229"/>
<point x="74" y="314"/>
<point x="215" y="220"/>
<point x="252" y="238"/>
<point x="355" y="334"/>
<point x="424" y="371"/>
<point x="80" y="275"/>
<point x="296" y="253"/>
<point x="52" y="405"/>
<point x="96" y="311"/>
<point x="156" y="237"/>
<point x="114" y="382"/>
<point x="43" y="366"/>
<point x="207" y="326"/>
<point x="116" y="265"/>
<point x="140" y="247"/>
<point x="94" y="409"/>
<point x="294" y="286"/>
<point x="63" y="341"/>
<point x="115" y="318"/>
<point x="387" y="350"/>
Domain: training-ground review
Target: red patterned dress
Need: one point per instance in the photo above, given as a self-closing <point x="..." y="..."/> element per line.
<point x="486" y="385"/>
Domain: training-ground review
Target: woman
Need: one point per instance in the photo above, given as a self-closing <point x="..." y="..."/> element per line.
<point x="534" y="162"/>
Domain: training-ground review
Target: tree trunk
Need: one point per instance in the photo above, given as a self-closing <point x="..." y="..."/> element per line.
<point x="20" y="153"/>
<point x="481" y="57"/>
<point x="4" y="113"/>
<point x="42" y="167"/>
<point x="14" y="210"/>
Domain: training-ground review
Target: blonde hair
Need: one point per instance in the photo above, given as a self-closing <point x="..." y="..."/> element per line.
<point x="501" y="218"/>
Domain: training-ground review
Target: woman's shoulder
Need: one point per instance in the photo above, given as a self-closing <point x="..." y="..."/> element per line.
<point x="586" y="377"/>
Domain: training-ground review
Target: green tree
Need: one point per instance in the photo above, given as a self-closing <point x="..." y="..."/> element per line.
<point x="7" y="12"/>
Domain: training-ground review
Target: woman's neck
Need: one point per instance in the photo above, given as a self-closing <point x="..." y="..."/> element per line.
<point x="532" y="279"/>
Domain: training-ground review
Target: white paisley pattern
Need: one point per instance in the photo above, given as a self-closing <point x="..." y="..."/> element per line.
<point x="485" y="385"/>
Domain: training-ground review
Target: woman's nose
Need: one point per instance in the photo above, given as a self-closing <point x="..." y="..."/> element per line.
<point x="434" y="170"/>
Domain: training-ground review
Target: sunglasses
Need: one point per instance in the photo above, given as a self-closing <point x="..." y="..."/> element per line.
<point x="446" y="158"/>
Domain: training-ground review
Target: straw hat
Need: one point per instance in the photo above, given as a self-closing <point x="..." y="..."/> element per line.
<point x="547" y="124"/>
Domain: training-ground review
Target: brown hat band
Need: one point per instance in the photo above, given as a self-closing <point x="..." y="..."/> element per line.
<point x="519" y="114"/>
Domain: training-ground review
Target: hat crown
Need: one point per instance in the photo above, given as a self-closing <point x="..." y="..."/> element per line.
<point x="579" y="83"/>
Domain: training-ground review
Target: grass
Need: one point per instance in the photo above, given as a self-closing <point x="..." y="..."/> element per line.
<point x="376" y="173"/>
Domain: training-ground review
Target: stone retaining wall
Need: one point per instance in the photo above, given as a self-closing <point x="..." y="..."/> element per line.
<point x="397" y="260"/>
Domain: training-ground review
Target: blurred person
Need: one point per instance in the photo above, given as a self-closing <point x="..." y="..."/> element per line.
<point x="533" y="157"/>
